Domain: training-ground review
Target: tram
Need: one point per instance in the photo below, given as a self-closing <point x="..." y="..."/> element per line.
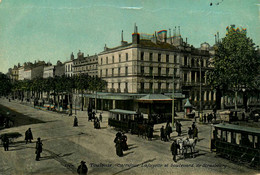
<point x="126" y="120"/>
<point x="237" y="143"/>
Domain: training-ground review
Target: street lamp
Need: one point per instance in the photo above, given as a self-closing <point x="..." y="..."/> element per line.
<point x="173" y="89"/>
<point x="200" y="112"/>
<point x="244" y="99"/>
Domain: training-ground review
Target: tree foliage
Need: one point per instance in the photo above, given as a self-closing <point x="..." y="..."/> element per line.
<point x="5" y="85"/>
<point x="236" y="63"/>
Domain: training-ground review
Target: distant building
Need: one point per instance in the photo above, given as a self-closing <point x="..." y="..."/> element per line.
<point x="69" y="66"/>
<point x="48" y="71"/>
<point x="85" y="64"/>
<point x="59" y="69"/>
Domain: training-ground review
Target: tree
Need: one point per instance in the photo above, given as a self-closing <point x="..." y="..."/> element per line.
<point x="236" y="64"/>
<point x="5" y="85"/>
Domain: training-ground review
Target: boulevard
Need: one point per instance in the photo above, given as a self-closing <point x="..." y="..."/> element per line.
<point x="65" y="146"/>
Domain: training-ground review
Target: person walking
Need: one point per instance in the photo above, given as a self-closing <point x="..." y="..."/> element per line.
<point x="190" y="133"/>
<point x="100" y="117"/>
<point x="5" y="141"/>
<point x="174" y="150"/>
<point x="195" y="133"/>
<point x="75" y="123"/>
<point x="82" y="168"/>
<point x="162" y="133"/>
<point x="124" y="142"/>
<point x="119" y="150"/>
<point x="38" y="149"/>
<point x="28" y="136"/>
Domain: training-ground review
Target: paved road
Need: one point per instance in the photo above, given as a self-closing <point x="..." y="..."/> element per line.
<point x="65" y="146"/>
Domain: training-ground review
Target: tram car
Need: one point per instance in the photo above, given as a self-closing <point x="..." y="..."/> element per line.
<point x="237" y="143"/>
<point x="126" y="121"/>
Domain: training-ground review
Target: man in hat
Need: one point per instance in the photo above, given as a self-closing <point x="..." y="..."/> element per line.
<point x="82" y="168"/>
<point x="28" y="136"/>
<point x="38" y="149"/>
<point x="5" y="142"/>
<point x="75" y="122"/>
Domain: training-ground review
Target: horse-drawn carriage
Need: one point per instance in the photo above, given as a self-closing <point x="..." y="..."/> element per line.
<point x="238" y="143"/>
<point x="126" y="121"/>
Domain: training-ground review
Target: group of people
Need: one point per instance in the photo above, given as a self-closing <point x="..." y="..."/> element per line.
<point x="166" y="132"/>
<point x="207" y="118"/>
<point x="121" y="143"/>
<point x="28" y="138"/>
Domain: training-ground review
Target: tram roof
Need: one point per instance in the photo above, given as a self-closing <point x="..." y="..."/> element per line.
<point x="238" y="128"/>
<point x="121" y="111"/>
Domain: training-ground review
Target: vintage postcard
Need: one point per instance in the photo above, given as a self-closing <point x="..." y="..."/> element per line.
<point x="129" y="87"/>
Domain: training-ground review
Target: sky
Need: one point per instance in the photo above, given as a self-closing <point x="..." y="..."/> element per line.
<point x="50" y="30"/>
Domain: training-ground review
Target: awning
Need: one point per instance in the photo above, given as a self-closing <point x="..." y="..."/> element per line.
<point x="150" y="98"/>
<point x="121" y="111"/>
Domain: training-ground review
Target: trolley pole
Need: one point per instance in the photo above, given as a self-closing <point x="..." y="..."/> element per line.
<point x="200" y="94"/>
<point x="173" y="110"/>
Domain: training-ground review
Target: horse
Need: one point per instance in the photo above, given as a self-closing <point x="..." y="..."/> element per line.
<point x="142" y="130"/>
<point x="185" y="143"/>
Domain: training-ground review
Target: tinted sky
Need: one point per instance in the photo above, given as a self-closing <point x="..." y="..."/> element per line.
<point x="50" y="30"/>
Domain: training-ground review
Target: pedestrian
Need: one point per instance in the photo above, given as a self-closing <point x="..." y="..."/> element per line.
<point x="195" y="133"/>
<point x="190" y="133"/>
<point x="180" y="125"/>
<point x="38" y="149"/>
<point x="96" y="123"/>
<point x="193" y="125"/>
<point x="150" y="132"/>
<point x="28" y="136"/>
<point x="5" y="141"/>
<point x="89" y="116"/>
<point x="204" y="118"/>
<point x="174" y="150"/>
<point x="100" y="117"/>
<point x="168" y="131"/>
<point x="119" y="150"/>
<point x="124" y="142"/>
<point x="82" y="168"/>
<point x="162" y="133"/>
<point x="75" y="123"/>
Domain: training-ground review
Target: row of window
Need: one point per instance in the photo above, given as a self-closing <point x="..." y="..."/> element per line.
<point x="206" y="95"/>
<point x="113" y="59"/>
<point x="85" y="61"/>
<point x="119" y="70"/>
<point x="151" y="72"/>
<point x="194" y="77"/>
<point x="195" y="62"/>
<point x="84" y="68"/>
<point x="151" y="86"/>
<point x="159" y="57"/>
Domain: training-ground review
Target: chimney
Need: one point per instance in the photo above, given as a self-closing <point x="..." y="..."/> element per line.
<point x="135" y="36"/>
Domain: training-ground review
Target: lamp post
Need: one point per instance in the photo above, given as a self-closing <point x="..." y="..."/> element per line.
<point x="173" y="89"/>
<point x="244" y="99"/>
<point x="200" y="112"/>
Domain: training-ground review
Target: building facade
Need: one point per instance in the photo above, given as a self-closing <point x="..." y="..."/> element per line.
<point x="85" y="64"/>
